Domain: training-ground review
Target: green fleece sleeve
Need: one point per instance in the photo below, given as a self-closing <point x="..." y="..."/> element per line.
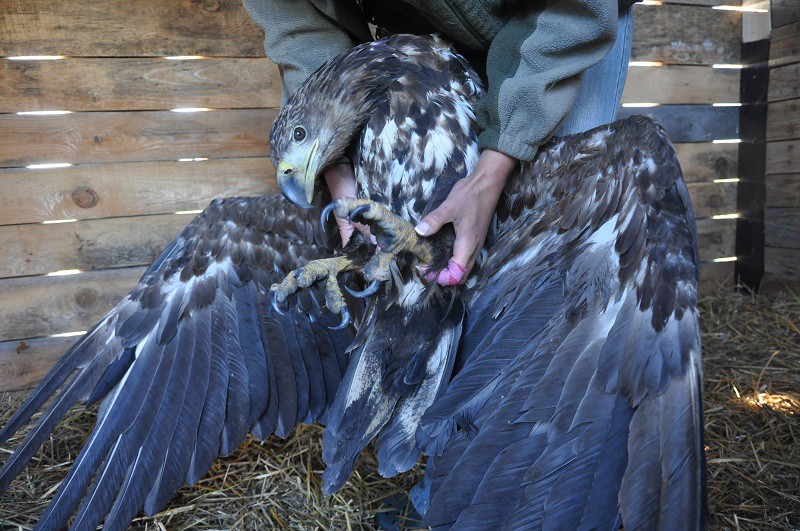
<point x="534" y="69"/>
<point x="300" y="35"/>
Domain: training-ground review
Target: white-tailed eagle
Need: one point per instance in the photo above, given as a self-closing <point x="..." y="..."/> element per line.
<point x="559" y="389"/>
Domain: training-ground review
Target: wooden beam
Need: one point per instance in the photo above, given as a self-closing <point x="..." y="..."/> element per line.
<point x="782" y="227"/>
<point x="785" y="45"/>
<point x="24" y="363"/>
<point x="704" y="161"/>
<point x="783" y="120"/>
<point x="106" y="190"/>
<point x="37" y="249"/>
<point x="691" y="123"/>
<point x="716" y="238"/>
<point x="783" y="157"/>
<point x="681" y="84"/>
<point x="785" y="12"/>
<point x="133" y="136"/>
<point x="782" y="263"/>
<point x="783" y="82"/>
<point x="783" y="190"/>
<point x="137" y="27"/>
<point x="685" y="34"/>
<point x="710" y="199"/>
<point x="137" y="84"/>
<point x="42" y="306"/>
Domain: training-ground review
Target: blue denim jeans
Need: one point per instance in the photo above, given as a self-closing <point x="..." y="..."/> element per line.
<point x="597" y="104"/>
<point x="602" y="84"/>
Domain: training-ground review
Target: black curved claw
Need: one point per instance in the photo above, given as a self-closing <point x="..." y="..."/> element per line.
<point x="357" y="211"/>
<point x="326" y="212"/>
<point x="273" y="298"/>
<point x="345" y="319"/>
<point x="372" y="289"/>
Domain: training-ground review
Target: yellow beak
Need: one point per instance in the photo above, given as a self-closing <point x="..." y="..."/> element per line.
<point x="297" y="174"/>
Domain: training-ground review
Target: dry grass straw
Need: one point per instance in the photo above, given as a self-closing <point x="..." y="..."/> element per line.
<point x="752" y="367"/>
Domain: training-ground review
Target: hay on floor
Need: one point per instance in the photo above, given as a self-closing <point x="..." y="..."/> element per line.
<point x="752" y="374"/>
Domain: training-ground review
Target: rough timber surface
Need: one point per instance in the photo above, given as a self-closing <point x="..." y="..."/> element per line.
<point x="133" y="28"/>
<point x="133" y="189"/>
<point x="132" y="84"/>
<point x="93" y="137"/>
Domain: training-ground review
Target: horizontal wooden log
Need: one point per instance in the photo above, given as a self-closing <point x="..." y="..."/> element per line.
<point x="784" y="45"/>
<point x="137" y="84"/>
<point x="24" y="363"/>
<point x="782" y="263"/>
<point x="691" y="123"/>
<point x="710" y="199"/>
<point x="686" y="34"/>
<point x="133" y="136"/>
<point x="715" y="277"/>
<point x="783" y="190"/>
<point x="783" y="84"/>
<point x="42" y="306"/>
<point x="785" y="12"/>
<point x="783" y="157"/>
<point x="107" y="190"/>
<point x="782" y="227"/>
<point x="716" y="238"/>
<point x="783" y="120"/>
<point x="128" y="27"/>
<point x="681" y="84"/>
<point x="37" y="249"/>
<point x="704" y="161"/>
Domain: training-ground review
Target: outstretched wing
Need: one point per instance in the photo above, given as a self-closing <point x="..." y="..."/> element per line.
<point x="579" y="396"/>
<point x="188" y="363"/>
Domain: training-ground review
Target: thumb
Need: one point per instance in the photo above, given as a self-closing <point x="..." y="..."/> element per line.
<point x="434" y="221"/>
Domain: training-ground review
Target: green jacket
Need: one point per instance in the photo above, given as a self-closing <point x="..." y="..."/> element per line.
<point x="534" y="52"/>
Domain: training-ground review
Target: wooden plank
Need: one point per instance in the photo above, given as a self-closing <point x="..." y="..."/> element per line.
<point x="137" y="84"/>
<point x="783" y="82"/>
<point x="708" y="3"/>
<point x="783" y="190"/>
<point x="139" y="27"/>
<point x="24" y="364"/>
<point x="42" y="306"/>
<point x="782" y="263"/>
<point x="37" y="249"/>
<point x="106" y="190"/>
<point x="715" y="277"/>
<point x="716" y="238"/>
<point x="783" y="157"/>
<point x="133" y="136"/>
<point x="784" y="46"/>
<point x="691" y="123"/>
<point x="785" y="12"/>
<point x="710" y="199"/>
<point x="686" y="35"/>
<point x="681" y="84"/>
<point x="704" y="162"/>
<point x="783" y="120"/>
<point x="782" y="227"/>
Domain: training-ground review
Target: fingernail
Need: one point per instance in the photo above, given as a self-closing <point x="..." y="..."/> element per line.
<point x="423" y="228"/>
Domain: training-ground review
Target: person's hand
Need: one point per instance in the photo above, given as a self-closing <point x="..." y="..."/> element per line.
<point x="341" y="182"/>
<point x="470" y="206"/>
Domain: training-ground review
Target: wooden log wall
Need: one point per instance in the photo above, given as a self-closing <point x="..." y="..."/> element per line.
<point x="782" y="213"/>
<point x="126" y="172"/>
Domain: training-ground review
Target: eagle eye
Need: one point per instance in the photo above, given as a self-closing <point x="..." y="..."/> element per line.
<point x="299" y="134"/>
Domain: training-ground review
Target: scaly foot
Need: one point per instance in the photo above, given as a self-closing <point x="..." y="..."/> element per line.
<point x="326" y="269"/>
<point x="394" y="236"/>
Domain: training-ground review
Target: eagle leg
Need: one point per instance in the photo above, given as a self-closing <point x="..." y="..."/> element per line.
<point x="326" y="269"/>
<point x="394" y="236"/>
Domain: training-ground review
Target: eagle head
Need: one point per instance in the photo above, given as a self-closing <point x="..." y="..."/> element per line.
<point x="321" y="120"/>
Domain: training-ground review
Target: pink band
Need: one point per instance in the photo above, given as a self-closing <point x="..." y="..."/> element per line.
<point x="449" y="276"/>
